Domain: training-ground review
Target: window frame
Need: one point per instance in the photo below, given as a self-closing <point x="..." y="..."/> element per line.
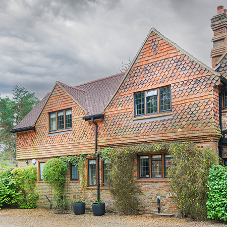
<point x="158" y="102"/>
<point x="223" y="101"/>
<point x="39" y="169"/>
<point x="150" y="165"/>
<point x="88" y="171"/>
<point x="71" y="173"/>
<point x="64" y="119"/>
<point x="104" y="184"/>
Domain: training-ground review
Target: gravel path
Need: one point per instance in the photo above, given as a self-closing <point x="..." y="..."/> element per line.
<point x="48" y="218"/>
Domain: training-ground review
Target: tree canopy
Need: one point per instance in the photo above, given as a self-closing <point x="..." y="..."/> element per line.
<point x="12" y="111"/>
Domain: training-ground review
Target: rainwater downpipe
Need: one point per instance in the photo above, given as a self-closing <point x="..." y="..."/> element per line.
<point x="220" y="145"/>
<point x="97" y="154"/>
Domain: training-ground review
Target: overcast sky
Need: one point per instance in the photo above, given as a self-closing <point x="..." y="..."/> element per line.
<point x="76" y="41"/>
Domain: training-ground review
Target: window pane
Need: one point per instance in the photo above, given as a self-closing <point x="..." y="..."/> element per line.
<point x="139" y="103"/>
<point x="165" y="98"/>
<point x="74" y="172"/>
<point x="144" y="166"/>
<point x="52" y="121"/>
<point x="60" y="120"/>
<point x="92" y="172"/>
<point x="156" y="164"/>
<point x="68" y="119"/>
<point x="225" y="100"/>
<point x="152" y="103"/>
<point x="105" y="169"/>
<point x="41" y="164"/>
<point x="168" y="163"/>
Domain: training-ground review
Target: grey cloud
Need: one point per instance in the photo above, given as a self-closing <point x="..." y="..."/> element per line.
<point x="42" y="41"/>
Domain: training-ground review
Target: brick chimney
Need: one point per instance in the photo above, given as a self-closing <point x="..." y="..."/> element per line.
<point x="219" y="27"/>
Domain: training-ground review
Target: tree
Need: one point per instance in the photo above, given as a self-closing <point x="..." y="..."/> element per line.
<point x="12" y="111"/>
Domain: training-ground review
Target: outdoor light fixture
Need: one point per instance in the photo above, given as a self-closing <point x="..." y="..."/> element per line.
<point x="33" y="161"/>
<point x="26" y="162"/>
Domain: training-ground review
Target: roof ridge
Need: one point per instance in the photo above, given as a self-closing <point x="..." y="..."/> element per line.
<point x="71" y="86"/>
<point x="99" y="79"/>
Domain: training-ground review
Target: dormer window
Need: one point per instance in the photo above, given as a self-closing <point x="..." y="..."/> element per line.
<point x="60" y="120"/>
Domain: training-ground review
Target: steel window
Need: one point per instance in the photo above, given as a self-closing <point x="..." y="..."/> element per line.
<point x="154" y="165"/>
<point x="91" y="172"/>
<point x="105" y="170"/>
<point x="74" y="172"/>
<point x="165" y="99"/>
<point x="144" y="166"/>
<point x="60" y="120"/>
<point x="139" y="103"/>
<point x="41" y="165"/>
<point x="152" y="101"/>
<point x="68" y="119"/>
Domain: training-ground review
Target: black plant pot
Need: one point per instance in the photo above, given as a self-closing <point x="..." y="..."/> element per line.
<point x="98" y="209"/>
<point x="79" y="208"/>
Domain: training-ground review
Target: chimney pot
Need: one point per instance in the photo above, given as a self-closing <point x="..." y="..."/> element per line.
<point x="220" y="9"/>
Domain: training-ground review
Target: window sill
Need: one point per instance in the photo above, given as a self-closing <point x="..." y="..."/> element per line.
<point x="224" y="110"/>
<point x="60" y="132"/>
<point x="155" y="116"/>
<point x="95" y="187"/>
<point x="152" y="180"/>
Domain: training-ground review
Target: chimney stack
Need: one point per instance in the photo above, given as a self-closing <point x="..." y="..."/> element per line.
<point x="220" y="9"/>
<point x="219" y="27"/>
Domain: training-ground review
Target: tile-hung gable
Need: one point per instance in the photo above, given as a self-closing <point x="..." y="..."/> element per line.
<point x="165" y="95"/>
<point x="92" y="97"/>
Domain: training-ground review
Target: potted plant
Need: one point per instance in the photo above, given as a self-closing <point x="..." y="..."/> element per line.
<point x="79" y="207"/>
<point x="98" y="208"/>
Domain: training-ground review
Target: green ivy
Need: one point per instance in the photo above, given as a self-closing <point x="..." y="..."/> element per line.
<point x="188" y="177"/>
<point x="25" y="180"/>
<point x="217" y="195"/>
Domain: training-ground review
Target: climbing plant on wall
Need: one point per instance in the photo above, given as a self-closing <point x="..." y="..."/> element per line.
<point x="121" y="180"/>
<point x="54" y="172"/>
<point x="188" y="177"/>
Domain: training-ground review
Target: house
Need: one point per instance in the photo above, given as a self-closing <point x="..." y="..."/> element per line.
<point x="165" y="95"/>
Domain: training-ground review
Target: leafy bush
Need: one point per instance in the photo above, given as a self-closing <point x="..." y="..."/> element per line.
<point x="8" y="193"/>
<point x="54" y="172"/>
<point x="188" y="177"/>
<point x="217" y="195"/>
<point x="25" y="180"/>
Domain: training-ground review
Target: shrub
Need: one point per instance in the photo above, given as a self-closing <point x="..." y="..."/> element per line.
<point x="8" y="193"/>
<point x="25" y="180"/>
<point x="217" y="195"/>
<point x="188" y="177"/>
<point x="54" y="172"/>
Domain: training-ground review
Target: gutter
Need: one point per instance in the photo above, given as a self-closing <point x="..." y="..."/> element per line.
<point x="92" y="119"/>
<point x="23" y="129"/>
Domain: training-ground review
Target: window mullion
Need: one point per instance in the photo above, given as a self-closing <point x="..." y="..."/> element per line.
<point x="145" y="103"/>
<point x="163" y="166"/>
<point x="64" y="119"/>
<point x="150" y="161"/>
<point x="158" y="100"/>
